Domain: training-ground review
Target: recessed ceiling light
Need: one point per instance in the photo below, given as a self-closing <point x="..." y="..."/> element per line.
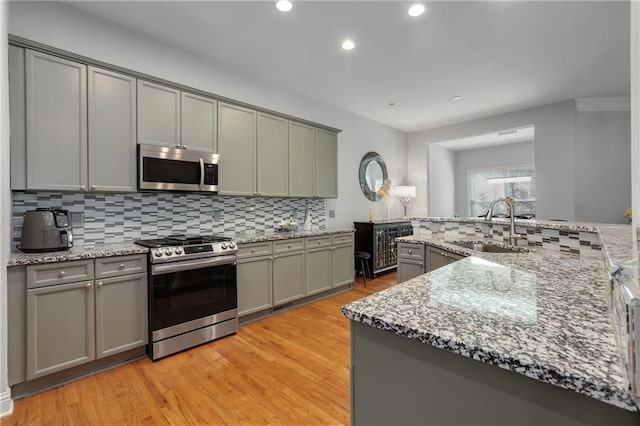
<point x="348" y="45"/>
<point x="284" y="5"/>
<point x="417" y="10"/>
<point x="457" y="98"/>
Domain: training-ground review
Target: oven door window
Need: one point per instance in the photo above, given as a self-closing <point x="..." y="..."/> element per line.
<point x="170" y="171"/>
<point x="183" y="296"/>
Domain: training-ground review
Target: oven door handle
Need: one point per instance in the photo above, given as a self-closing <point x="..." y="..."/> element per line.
<point x="186" y="265"/>
<point x="201" y="173"/>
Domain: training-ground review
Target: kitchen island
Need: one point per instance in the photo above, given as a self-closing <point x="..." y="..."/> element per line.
<point x="537" y="321"/>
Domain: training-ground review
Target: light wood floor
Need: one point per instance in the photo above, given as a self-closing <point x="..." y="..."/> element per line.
<point x="291" y="368"/>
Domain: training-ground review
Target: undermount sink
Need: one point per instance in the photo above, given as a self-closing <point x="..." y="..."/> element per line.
<point x="489" y="247"/>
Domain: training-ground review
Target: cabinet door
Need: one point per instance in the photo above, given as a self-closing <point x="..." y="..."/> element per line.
<point x="254" y="284"/>
<point x="237" y="149"/>
<point x="326" y="167"/>
<point x="121" y="314"/>
<point x="60" y="328"/>
<point x="436" y="258"/>
<point x="56" y="123"/>
<point x="288" y="277"/>
<point x="158" y="114"/>
<point x="301" y="160"/>
<point x="18" y="117"/>
<point x="112" y="131"/>
<point x="273" y="156"/>
<point x="199" y="117"/>
<point x="318" y="270"/>
<point x="342" y="265"/>
<point x="409" y="268"/>
<point x="16" y="324"/>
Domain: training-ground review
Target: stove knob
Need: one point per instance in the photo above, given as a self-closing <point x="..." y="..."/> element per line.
<point x="157" y="253"/>
<point x="224" y="246"/>
<point x="232" y="244"/>
<point x="178" y="250"/>
<point x="168" y="252"/>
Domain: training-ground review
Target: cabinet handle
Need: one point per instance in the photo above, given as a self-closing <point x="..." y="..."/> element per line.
<point x="93" y="187"/>
<point x="177" y="146"/>
<point x="271" y="257"/>
<point x="275" y="257"/>
<point x="289" y="246"/>
<point x="420" y="264"/>
<point x="100" y="283"/>
<point x="62" y="273"/>
<point x="185" y="147"/>
<point x="89" y="285"/>
<point x="83" y="187"/>
<point x="319" y="242"/>
<point x="253" y="250"/>
<point x="122" y="266"/>
<point x="410" y="251"/>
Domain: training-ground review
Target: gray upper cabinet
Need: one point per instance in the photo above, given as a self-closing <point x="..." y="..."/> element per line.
<point x="121" y="314"/>
<point x="326" y="166"/>
<point x="60" y="327"/>
<point x="272" y="155"/>
<point x="198" y="124"/>
<point x="18" y="117"/>
<point x="112" y="131"/>
<point x="158" y="114"/>
<point x="301" y="160"/>
<point x="237" y="149"/>
<point x="56" y="123"/>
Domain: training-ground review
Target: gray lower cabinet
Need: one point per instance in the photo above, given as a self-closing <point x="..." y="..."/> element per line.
<point x="342" y="264"/>
<point x="158" y="114"/>
<point x="288" y="271"/>
<point x="255" y="272"/>
<point x="319" y="270"/>
<point x="237" y="149"/>
<point x="60" y="327"/>
<point x="329" y="262"/>
<point x="121" y="320"/>
<point x="112" y="131"/>
<point x="272" y="155"/>
<point x="55" y="324"/>
<point x="411" y="261"/>
<point x="437" y="258"/>
<point x="56" y="119"/>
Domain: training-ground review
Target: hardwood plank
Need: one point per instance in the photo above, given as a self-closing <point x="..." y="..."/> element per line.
<point x="291" y="368"/>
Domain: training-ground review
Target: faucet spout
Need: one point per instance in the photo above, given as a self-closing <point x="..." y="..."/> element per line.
<point x="513" y="237"/>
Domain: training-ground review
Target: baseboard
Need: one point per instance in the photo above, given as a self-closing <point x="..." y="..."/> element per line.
<point x="6" y="403"/>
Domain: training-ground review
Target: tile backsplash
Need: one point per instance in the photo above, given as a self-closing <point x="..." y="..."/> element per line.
<point x="114" y="218"/>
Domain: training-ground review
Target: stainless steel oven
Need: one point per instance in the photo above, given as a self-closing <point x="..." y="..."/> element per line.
<point x="192" y="292"/>
<point x="175" y="169"/>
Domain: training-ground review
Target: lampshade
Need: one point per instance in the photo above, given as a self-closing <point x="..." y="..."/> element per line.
<point x="403" y="191"/>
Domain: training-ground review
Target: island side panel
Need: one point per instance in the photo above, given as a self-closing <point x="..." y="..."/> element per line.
<point x="395" y="380"/>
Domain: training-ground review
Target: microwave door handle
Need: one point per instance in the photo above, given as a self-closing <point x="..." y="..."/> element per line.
<point x="201" y="173"/>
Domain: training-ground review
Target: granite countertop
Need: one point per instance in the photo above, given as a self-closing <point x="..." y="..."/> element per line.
<point x="540" y="313"/>
<point x="121" y="249"/>
<point x="533" y="223"/>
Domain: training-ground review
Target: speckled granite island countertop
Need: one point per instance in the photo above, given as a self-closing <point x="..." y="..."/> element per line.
<point x="122" y="249"/>
<point x="540" y="313"/>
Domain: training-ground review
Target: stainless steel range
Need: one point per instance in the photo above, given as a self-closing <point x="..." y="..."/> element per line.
<point x="192" y="291"/>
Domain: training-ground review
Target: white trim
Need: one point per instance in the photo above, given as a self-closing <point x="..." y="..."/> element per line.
<point x="603" y="104"/>
<point x="6" y="403"/>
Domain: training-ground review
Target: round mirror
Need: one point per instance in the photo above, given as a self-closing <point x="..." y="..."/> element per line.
<point x="373" y="173"/>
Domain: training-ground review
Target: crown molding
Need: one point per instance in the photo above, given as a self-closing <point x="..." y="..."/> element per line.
<point x="603" y="104"/>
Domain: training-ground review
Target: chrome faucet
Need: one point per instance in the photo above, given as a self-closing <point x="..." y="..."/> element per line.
<point x="513" y="237"/>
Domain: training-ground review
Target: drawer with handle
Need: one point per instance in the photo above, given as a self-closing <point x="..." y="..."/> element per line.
<point x="316" y="242"/>
<point x="411" y="251"/>
<point x="288" y="245"/>
<point x="116" y="266"/>
<point x="47" y="274"/>
<point x="254" y="249"/>
<point x="342" y="238"/>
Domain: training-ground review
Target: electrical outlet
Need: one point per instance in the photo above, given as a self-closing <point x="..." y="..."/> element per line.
<point x="332" y="213"/>
<point x="77" y="219"/>
<point x="217" y="215"/>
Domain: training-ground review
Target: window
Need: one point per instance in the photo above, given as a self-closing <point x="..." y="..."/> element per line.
<point x="486" y="185"/>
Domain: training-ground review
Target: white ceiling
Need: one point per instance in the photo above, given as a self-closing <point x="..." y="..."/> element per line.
<point x="499" y="55"/>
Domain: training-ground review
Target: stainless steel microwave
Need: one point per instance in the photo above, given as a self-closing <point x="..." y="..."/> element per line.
<point x="174" y="169"/>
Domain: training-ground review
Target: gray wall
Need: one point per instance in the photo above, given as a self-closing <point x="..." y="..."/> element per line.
<point x="480" y="158"/>
<point x="603" y="166"/>
<point x="554" y="154"/>
<point x="441" y="172"/>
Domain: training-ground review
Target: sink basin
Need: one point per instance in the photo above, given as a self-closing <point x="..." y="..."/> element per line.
<point x="489" y="247"/>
